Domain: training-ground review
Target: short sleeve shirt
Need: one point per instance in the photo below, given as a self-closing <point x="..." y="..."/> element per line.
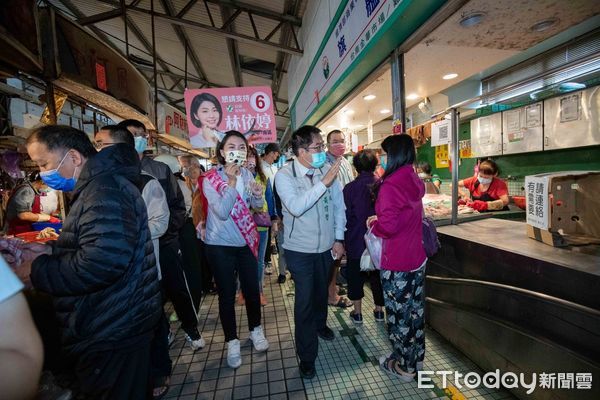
<point x="9" y="283"/>
<point x="21" y="201"/>
<point x="497" y="188"/>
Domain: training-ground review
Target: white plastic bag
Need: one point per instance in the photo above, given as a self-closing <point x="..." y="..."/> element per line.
<point x="374" y="247"/>
<point x="366" y="265"/>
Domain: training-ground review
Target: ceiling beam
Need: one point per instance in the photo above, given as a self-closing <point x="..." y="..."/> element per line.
<point x="256" y="10"/>
<point x="104" y="16"/>
<point x="174" y="75"/>
<point x="290" y="7"/>
<point x="218" y="31"/>
<point x="138" y="33"/>
<point x="184" y="39"/>
<point x="186" y="8"/>
<point x="232" y="47"/>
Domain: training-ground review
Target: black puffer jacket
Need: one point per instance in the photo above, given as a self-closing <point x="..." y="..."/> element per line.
<point x="102" y="271"/>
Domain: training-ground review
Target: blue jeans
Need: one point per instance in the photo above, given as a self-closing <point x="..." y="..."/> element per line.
<point x="282" y="260"/>
<point x="262" y="250"/>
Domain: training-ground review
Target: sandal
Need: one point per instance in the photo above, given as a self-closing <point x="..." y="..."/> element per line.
<point x="390" y="365"/>
<point x="343" y="302"/>
<point x="162" y="387"/>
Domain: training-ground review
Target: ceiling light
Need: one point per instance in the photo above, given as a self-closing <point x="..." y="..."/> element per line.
<point x="385" y="111"/>
<point x="412" y="96"/>
<point x="330" y="126"/>
<point x="544" y="25"/>
<point x="472" y="19"/>
<point x="570" y="86"/>
<point x="348" y="112"/>
<point x="449" y="76"/>
<point x="369" y="97"/>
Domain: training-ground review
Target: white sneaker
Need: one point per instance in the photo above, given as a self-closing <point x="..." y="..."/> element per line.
<point x="258" y="339"/>
<point x="234" y="358"/>
<point x="195" y="344"/>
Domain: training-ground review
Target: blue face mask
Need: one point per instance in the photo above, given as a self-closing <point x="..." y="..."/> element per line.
<point x="318" y="159"/>
<point x="383" y="161"/>
<point x="140" y="144"/>
<point x="56" y="181"/>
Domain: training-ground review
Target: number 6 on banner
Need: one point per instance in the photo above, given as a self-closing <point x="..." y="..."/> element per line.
<point x="260" y="101"/>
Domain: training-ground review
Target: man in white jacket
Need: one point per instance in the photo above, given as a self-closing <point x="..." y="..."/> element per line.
<point x="314" y="223"/>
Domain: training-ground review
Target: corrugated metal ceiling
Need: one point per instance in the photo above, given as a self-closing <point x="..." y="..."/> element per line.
<point x="210" y="49"/>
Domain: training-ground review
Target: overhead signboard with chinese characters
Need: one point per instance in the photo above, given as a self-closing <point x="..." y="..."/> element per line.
<point x="360" y="24"/>
<point x="172" y="122"/>
<point x="212" y="112"/>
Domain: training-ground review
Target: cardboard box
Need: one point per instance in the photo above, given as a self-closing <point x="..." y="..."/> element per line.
<point x="563" y="208"/>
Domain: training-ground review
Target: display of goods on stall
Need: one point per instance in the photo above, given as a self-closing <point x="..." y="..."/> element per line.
<point x="439" y="206"/>
<point x="43" y="236"/>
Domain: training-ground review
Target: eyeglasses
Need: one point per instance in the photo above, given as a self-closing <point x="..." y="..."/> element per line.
<point x="101" y="145"/>
<point x="318" y="148"/>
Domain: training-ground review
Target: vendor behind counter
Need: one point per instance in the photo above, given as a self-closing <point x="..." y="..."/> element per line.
<point x="487" y="192"/>
<point x="30" y="202"/>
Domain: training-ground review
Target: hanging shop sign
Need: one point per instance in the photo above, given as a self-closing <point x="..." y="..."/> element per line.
<point x="355" y="29"/>
<point x="442" y="157"/>
<point x="440" y="133"/>
<point x="172" y="122"/>
<point x="464" y="147"/>
<point x="212" y="112"/>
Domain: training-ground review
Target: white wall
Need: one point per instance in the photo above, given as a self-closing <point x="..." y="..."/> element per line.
<point x="315" y="23"/>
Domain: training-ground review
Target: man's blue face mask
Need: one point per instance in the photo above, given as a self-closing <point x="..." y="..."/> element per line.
<point x="56" y="181"/>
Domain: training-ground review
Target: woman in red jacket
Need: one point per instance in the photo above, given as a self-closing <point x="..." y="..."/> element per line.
<point x="398" y="221"/>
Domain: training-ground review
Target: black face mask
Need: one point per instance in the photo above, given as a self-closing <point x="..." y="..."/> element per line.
<point x="276" y="160"/>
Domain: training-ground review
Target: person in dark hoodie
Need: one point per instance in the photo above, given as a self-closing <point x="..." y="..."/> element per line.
<point x="101" y="271"/>
<point x="173" y="277"/>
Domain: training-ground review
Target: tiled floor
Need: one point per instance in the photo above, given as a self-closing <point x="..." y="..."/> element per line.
<point x="346" y="368"/>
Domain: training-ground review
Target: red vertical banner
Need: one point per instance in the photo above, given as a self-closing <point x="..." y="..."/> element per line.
<point x="101" y="77"/>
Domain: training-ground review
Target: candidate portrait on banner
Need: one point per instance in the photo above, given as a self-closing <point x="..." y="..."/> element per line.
<point x="213" y="112"/>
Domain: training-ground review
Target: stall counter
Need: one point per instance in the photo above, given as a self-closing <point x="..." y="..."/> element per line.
<point x="511" y="303"/>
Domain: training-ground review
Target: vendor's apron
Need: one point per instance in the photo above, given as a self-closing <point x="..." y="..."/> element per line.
<point x="485" y="197"/>
<point x="16" y="225"/>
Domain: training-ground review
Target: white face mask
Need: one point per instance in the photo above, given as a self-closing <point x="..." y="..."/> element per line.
<point x="484" y="181"/>
<point x="423" y="175"/>
<point x="235" y="156"/>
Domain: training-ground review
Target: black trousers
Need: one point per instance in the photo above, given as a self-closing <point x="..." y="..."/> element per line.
<point x="115" y="375"/>
<point x="161" y="365"/>
<point x="207" y="274"/>
<point x="192" y="263"/>
<point x="310" y="273"/>
<point x="229" y="263"/>
<point x="176" y="290"/>
<point x="46" y="322"/>
<point x="356" y="280"/>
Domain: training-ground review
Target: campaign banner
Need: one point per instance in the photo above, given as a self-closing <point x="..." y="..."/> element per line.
<point x="212" y="112"/>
